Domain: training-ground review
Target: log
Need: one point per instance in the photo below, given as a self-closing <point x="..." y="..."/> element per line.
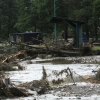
<point x="30" y="46"/>
<point x="59" y="52"/>
<point x="45" y="50"/>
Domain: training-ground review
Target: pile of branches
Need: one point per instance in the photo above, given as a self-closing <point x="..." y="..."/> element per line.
<point x="7" y="89"/>
<point x="55" y="48"/>
<point x="7" y="62"/>
<point x="40" y="86"/>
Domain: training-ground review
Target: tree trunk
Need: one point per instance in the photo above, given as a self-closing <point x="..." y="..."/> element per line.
<point x="87" y="29"/>
<point x="35" y="27"/>
<point x="95" y="31"/>
<point x="66" y="33"/>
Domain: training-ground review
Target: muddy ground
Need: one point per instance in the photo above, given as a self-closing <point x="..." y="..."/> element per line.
<point x="83" y="87"/>
<point x="75" y="90"/>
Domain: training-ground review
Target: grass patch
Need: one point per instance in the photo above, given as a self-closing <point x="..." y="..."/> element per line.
<point x="96" y="48"/>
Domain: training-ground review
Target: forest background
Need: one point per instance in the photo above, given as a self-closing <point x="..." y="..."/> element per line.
<point x="18" y="16"/>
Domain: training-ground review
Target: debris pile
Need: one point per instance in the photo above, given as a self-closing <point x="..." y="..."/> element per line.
<point x="7" y="89"/>
<point x="40" y="86"/>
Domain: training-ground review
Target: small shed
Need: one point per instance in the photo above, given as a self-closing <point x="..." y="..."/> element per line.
<point x="27" y="37"/>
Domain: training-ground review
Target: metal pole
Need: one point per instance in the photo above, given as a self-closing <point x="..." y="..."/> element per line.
<point x="71" y="76"/>
<point x="55" y="36"/>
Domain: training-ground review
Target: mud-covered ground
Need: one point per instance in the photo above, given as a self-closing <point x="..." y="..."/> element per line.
<point x="76" y="90"/>
<point x="84" y="85"/>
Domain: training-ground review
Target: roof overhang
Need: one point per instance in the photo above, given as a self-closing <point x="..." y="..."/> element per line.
<point x="72" y="23"/>
<point x="59" y="20"/>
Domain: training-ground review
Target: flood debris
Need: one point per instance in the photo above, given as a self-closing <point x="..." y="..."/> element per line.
<point x="97" y="76"/>
<point x="59" y="48"/>
<point x="56" y="82"/>
<point x="25" y="51"/>
<point x="13" y="56"/>
<point x="40" y="86"/>
<point x="7" y="62"/>
<point x="68" y="73"/>
<point x="8" y="89"/>
<point x="94" y="78"/>
<point x="86" y="50"/>
<point x="7" y="67"/>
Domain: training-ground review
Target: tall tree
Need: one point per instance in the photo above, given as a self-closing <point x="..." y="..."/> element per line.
<point x="62" y="11"/>
<point x="96" y="13"/>
<point x="24" y="15"/>
<point x="8" y="17"/>
<point x="39" y="13"/>
<point x="96" y="6"/>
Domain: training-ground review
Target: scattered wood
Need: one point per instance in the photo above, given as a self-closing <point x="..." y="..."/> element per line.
<point x="34" y="49"/>
<point x="57" y="82"/>
<point x="10" y="90"/>
<point x="40" y="86"/>
<point x="6" y="66"/>
<point x="86" y="51"/>
<point x="57" y="52"/>
<point x="13" y="56"/>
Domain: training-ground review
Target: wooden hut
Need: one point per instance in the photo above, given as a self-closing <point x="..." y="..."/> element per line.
<point x="27" y="37"/>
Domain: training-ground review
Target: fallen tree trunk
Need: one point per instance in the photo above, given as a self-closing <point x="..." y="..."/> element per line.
<point x="30" y="46"/>
<point x="59" y="52"/>
<point x="33" y="49"/>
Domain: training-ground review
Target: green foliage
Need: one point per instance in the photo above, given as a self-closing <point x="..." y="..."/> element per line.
<point x="85" y="10"/>
<point x="25" y="12"/>
<point x="8" y="17"/>
<point x="96" y="7"/>
<point x="87" y="14"/>
<point x="35" y="15"/>
<point x="96" y="11"/>
<point x="96" y="48"/>
<point x="45" y="13"/>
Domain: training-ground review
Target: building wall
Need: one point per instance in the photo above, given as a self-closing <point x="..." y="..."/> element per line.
<point x="31" y="38"/>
